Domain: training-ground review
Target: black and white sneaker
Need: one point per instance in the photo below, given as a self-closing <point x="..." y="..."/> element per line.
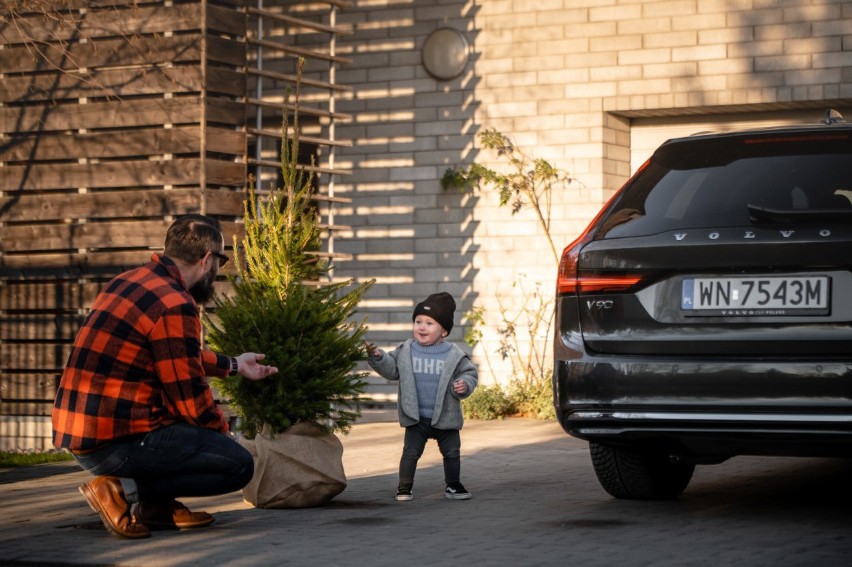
<point x="403" y="493"/>
<point x="456" y="491"/>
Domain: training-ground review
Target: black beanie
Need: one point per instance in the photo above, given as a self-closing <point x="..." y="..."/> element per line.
<point x="438" y="306"/>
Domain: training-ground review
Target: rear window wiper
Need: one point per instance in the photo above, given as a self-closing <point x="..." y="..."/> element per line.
<point x="759" y="215"/>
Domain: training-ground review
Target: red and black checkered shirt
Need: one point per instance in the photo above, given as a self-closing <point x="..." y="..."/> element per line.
<point x="137" y="364"/>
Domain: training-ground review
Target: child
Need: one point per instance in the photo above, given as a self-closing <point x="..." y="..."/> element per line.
<point x="433" y="377"/>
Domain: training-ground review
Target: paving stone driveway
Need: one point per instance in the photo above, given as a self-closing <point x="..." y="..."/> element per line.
<point x="535" y="502"/>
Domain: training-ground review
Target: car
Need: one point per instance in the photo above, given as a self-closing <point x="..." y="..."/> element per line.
<point x="706" y="311"/>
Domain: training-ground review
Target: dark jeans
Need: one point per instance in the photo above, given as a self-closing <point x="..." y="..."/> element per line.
<point x="449" y="443"/>
<point x="178" y="460"/>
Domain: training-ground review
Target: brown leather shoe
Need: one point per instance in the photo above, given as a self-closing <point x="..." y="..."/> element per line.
<point x="171" y="515"/>
<point x="106" y="497"/>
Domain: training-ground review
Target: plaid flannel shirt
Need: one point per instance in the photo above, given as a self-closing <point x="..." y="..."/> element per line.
<point x="137" y="364"/>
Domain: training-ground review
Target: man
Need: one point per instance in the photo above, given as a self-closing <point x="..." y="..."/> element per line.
<point x="133" y="405"/>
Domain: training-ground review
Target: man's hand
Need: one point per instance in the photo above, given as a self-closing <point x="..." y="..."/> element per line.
<point x="250" y="367"/>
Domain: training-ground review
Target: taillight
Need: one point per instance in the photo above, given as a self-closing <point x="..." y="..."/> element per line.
<point x="600" y="283"/>
<point x="568" y="280"/>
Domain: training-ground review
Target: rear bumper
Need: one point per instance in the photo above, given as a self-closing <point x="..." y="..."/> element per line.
<point x="709" y="408"/>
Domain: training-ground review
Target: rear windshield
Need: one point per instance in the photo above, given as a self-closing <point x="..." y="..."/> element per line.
<point x="718" y="182"/>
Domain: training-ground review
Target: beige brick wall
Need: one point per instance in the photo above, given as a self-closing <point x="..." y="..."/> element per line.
<point x="566" y="80"/>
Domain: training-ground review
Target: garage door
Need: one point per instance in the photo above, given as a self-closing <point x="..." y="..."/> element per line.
<point x="646" y="134"/>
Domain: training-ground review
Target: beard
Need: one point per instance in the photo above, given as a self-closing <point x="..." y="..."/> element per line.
<point x="202" y="291"/>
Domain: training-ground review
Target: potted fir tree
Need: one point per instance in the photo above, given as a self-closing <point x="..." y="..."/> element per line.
<point x="282" y="306"/>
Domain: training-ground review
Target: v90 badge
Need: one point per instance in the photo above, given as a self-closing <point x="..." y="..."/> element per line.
<point x="599" y="304"/>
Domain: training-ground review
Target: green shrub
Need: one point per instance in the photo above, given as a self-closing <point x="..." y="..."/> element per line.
<point x="488" y="402"/>
<point x="534" y="400"/>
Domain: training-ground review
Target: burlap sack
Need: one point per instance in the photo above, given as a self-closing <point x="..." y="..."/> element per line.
<point x="299" y="468"/>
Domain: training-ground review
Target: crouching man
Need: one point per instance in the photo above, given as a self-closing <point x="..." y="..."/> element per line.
<point x="133" y="405"/>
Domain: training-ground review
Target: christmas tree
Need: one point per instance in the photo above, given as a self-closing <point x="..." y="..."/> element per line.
<point x="282" y="307"/>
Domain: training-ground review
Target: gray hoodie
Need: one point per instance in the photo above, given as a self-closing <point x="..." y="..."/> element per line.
<point x="396" y="365"/>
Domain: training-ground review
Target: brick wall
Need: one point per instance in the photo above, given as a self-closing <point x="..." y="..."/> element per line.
<point x="567" y="81"/>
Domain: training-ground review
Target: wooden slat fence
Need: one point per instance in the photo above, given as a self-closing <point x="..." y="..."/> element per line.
<point x="117" y="116"/>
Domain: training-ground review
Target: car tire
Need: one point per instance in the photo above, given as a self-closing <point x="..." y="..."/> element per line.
<point x="639" y="475"/>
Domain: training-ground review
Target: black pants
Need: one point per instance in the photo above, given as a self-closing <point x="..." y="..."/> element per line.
<point x="449" y="443"/>
<point x="178" y="460"/>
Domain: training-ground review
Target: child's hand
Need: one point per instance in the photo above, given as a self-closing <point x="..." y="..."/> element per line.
<point x="371" y="349"/>
<point x="459" y="387"/>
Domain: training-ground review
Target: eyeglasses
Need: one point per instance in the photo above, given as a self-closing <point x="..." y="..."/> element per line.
<point x="222" y="258"/>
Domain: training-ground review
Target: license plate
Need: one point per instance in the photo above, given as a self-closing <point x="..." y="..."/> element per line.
<point x="756" y="296"/>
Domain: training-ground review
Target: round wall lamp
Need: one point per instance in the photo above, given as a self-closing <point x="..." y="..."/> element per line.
<point x="445" y="53"/>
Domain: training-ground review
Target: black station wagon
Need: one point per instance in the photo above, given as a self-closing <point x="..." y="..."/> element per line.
<point x="706" y="312"/>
